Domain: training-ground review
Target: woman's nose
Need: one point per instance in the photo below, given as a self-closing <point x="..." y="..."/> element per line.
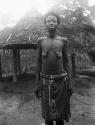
<point x="51" y="22"/>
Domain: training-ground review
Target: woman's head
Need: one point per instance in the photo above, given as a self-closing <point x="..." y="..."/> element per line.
<point x="54" y="15"/>
<point x="51" y="20"/>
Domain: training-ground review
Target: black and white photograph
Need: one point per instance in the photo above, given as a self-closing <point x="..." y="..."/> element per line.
<point x="47" y="65"/>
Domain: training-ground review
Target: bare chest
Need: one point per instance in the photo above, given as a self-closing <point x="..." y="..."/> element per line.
<point x="55" y="46"/>
<point x="52" y="44"/>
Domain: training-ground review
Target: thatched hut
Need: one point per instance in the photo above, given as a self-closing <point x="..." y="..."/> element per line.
<point x="22" y="37"/>
<point x="15" y="45"/>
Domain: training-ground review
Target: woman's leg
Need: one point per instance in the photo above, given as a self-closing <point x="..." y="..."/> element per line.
<point x="48" y="122"/>
<point x="59" y="122"/>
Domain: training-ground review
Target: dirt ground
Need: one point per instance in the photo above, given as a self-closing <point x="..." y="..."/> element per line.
<point x="19" y="106"/>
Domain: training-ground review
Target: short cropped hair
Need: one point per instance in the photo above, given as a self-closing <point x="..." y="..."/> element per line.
<point x="51" y="13"/>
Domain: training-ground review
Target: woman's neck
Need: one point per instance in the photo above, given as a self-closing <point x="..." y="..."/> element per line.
<point x="52" y="35"/>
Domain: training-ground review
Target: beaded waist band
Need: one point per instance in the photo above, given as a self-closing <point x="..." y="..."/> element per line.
<point x="53" y="77"/>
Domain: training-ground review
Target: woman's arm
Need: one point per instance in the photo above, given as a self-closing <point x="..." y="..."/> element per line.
<point x="66" y="59"/>
<point x="67" y="68"/>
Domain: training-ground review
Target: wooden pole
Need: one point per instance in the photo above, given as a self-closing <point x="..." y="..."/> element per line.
<point x="18" y="61"/>
<point x="73" y="65"/>
<point x="14" y="65"/>
<point x="0" y="67"/>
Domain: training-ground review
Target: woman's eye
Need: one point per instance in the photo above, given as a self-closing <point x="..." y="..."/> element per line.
<point x="51" y="21"/>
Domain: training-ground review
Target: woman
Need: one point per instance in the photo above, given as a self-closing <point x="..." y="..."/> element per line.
<point x="53" y="76"/>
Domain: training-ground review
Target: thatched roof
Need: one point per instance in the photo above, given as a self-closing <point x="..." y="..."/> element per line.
<point x="18" y="42"/>
<point x="24" y="35"/>
<point x="21" y="42"/>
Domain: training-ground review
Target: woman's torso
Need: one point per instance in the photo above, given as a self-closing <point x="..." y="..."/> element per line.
<point x="52" y="61"/>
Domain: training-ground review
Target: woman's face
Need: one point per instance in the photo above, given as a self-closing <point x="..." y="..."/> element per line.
<point x="51" y="23"/>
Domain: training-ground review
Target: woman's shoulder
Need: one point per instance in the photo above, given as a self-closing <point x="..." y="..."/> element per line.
<point x="62" y="38"/>
<point x="65" y="40"/>
<point x="42" y="38"/>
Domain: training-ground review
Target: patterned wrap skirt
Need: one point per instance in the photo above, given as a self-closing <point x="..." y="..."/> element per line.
<point x="55" y="100"/>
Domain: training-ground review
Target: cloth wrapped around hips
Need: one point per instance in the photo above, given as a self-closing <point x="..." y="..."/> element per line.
<point x="55" y="96"/>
